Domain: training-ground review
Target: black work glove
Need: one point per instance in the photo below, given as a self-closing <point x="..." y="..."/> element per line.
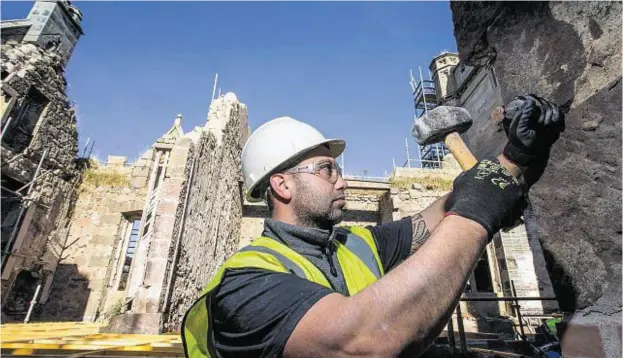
<point x="532" y="125"/>
<point x="488" y="194"/>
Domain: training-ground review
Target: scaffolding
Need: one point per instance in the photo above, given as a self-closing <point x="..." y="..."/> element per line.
<point x="424" y="100"/>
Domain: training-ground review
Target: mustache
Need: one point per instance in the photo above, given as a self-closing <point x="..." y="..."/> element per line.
<point x="340" y="197"/>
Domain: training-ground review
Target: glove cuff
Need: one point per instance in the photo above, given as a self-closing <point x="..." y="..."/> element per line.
<point x="518" y="156"/>
<point x="490" y="230"/>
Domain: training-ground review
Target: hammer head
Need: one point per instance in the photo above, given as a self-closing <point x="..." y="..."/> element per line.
<point x="435" y="125"/>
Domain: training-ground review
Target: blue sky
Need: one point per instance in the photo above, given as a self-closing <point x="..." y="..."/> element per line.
<point x="341" y="66"/>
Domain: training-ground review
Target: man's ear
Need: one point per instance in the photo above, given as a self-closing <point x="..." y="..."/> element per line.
<point x="280" y="187"/>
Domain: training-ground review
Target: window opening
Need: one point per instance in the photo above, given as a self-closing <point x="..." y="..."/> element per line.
<point x="20" y="131"/>
<point x="129" y="254"/>
<point x="10" y="206"/>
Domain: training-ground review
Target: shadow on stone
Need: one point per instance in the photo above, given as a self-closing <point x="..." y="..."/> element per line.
<point x="69" y="296"/>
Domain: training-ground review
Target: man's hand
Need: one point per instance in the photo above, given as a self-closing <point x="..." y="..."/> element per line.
<point x="488" y="194"/>
<point x="532" y="128"/>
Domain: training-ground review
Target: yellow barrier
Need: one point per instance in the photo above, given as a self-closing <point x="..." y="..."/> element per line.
<point x="79" y="339"/>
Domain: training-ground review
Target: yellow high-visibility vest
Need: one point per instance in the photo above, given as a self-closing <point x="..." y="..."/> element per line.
<point x="357" y="256"/>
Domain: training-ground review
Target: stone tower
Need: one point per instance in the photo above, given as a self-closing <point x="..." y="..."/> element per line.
<point x="50" y="24"/>
<point x="441" y="67"/>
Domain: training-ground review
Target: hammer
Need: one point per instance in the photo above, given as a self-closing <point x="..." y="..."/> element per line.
<point x="444" y="124"/>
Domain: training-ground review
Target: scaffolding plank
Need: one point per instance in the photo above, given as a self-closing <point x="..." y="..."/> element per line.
<point x="83" y="339"/>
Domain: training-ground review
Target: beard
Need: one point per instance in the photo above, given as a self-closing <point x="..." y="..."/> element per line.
<point x="316" y="209"/>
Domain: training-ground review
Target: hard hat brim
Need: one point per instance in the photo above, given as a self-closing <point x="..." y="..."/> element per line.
<point x="254" y="194"/>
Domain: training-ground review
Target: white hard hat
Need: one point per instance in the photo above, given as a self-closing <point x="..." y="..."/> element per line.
<point x="276" y="144"/>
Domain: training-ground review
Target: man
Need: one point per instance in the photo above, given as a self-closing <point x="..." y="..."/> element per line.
<point x="308" y="288"/>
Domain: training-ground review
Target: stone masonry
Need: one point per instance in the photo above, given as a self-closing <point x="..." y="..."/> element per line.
<point x="208" y="226"/>
<point x="570" y="53"/>
<point x="42" y="125"/>
<point x="111" y="195"/>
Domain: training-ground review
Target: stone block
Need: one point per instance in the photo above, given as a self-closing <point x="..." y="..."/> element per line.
<point x="115" y="160"/>
<point x="167" y="208"/>
<point x="160" y="248"/>
<point x="415" y="193"/>
<point x="172" y="187"/>
<point x="98" y="261"/>
<point x="111" y="219"/>
<point x="581" y="341"/>
<point x="102" y="240"/>
<point x="140" y="172"/>
<point x="139" y="182"/>
<point x="176" y="172"/>
<point x="178" y="157"/>
<point x="154" y="272"/>
<point x="131" y="323"/>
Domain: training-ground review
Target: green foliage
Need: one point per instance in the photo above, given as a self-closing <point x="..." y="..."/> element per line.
<point x="98" y="178"/>
<point x="427" y="182"/>
<point x="114" y="310"/>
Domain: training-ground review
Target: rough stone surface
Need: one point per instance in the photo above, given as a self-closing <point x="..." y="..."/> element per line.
<point x="568" y="52"/>
<point x="93" y="249"/>
<point x="56" y="129"/>
<point x="211" y="227"/>
<point x="132" y="323"/>
<point x="30" y="69"/>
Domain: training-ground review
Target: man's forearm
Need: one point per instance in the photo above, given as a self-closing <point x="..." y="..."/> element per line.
<point x="426" y="221"/>
<point x="409" y="306"/>
<point x="415" y="300"/>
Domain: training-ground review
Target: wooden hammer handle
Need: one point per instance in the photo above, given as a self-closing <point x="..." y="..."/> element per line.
<point x="466" y="159"/>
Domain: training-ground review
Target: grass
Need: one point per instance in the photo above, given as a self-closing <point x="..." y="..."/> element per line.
<point x="427" y="182"/>
<point x="98" y="178"/>
<point x="114" y="310"/>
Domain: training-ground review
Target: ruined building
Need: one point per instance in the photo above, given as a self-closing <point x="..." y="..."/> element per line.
<point x="146" y="237"/>
<point x="39" y="150"/>
<point x="570" y="53"/>
<point x="133" y="243"/>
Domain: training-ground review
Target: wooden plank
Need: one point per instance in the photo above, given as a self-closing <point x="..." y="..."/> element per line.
<point x="83" y="339"/>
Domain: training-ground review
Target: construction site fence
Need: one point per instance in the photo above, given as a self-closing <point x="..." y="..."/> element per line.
<point x="516" y="309"/>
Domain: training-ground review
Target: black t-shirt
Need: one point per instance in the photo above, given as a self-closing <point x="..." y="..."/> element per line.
<point x="255" y="310"/>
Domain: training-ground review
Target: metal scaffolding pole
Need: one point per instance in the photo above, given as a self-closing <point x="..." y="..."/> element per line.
<point x="8" y="121"/>
<point x="407" y="149"/>
<point x="32" y="304"/>
<point x="8" y="247"/>
<point x="214" y="87"/>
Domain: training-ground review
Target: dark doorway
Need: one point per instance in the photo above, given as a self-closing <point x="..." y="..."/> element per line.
<point x="10" y="207"/>
<point x="20" y="131"/>
<point x="21" y="295"/>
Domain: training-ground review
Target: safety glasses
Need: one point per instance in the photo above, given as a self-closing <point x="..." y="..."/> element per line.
<point x="326" y="169"/>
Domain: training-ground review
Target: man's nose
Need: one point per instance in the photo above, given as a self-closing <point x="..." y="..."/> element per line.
<point x="341" y="184"/>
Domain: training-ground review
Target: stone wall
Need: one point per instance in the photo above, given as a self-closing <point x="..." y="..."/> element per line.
<point x="252" y="225"/>
<point x="148" y="276"/>
<point x="210" y="223"/>
<point x="362" y="202"/>
<point x="568" y="52"/>
<point x="42" y="120"/>
<point x="523" y="264"/>
<point x="87" y="279"/>
<point x="27" y="68"/>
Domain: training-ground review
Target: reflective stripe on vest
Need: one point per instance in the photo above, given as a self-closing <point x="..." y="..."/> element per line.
<point x="358" y="258"/>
